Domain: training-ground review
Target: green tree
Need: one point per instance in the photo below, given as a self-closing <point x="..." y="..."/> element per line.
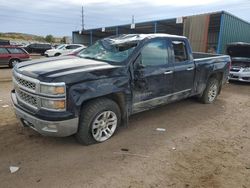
<point x="49" y="38"/>
<point x="63" y="40"/>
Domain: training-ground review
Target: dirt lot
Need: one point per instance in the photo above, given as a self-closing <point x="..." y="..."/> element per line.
<point x="203" y="146"/>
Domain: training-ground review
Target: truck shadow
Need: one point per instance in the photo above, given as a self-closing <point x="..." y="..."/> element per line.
<point x="239" y="83"/>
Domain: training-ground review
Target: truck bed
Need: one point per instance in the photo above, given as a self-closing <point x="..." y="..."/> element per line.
<point x="203" y="56"/>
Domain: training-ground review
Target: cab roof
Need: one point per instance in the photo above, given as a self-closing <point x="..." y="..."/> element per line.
<point x="138" y="37"/>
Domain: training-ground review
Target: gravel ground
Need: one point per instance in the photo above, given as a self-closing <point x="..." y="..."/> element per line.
<point x="203" y="146"/>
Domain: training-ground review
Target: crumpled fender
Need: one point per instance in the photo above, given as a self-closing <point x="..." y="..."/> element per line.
<point x="82" y="92"/>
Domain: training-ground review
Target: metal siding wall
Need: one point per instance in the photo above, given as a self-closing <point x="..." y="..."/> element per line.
<point x="196" y="30"/>
<point x="233" y="30"/>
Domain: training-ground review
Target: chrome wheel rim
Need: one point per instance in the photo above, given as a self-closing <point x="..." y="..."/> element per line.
<point x="104" y="126"/>
<point x="212" y="93"/>
<point x="14" y="63"/>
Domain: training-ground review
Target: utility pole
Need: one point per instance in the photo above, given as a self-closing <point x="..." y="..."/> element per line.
<point x="133" y="22"/>
<point x="82" y="18"/>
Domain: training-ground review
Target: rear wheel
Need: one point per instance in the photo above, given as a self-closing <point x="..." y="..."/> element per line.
<point x="57" y="54"/>
<point x="13" y="62"/>
<point x="211" y="91"/>
<point x="98" y="122"/>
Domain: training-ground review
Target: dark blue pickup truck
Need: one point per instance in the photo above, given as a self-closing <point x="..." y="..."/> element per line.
<point x="90" y="95"/>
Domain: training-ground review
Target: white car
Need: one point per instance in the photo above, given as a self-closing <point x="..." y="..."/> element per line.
<point x="63" y="49"/>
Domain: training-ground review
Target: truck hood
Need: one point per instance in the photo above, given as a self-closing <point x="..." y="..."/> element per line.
<point x="239" y="50"/>
<point x="69" y="69"/>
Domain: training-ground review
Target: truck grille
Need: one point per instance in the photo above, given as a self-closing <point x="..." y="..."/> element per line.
<point x="27" y="98"/>
<point x="25" y="83"/>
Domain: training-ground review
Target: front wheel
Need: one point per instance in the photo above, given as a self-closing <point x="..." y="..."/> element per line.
<point x="13" y="62"/>
<point x="211" y="91"/>
<point x="98" y="122"/>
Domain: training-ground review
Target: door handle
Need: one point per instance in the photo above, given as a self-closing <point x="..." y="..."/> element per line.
<point x="168" y="72"/>
<point x="190" y="68"/>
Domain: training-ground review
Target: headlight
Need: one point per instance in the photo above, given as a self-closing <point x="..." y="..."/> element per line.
<point x="52" y="89"/>
<point x="53" y="104"/>
<point x="246" y="69"/>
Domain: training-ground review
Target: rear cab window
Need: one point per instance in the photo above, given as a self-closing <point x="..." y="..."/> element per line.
<point x="180" y="51"/>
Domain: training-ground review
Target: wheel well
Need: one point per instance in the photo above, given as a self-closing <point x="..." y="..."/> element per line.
<point x="13" y="59"/>
<point x="218" y="76"/>
<point x="116" y="97"/>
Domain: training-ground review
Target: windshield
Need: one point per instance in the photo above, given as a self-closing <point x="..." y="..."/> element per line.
<point x="109" y="50"/>
<point x="60" y="46"/>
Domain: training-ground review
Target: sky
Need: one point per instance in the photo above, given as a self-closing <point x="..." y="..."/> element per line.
<point x="61" y="17"/>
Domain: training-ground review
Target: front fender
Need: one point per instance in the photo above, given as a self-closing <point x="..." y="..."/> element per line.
<point x="82" y="92"/>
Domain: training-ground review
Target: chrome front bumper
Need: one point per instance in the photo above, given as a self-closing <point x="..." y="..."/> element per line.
<point x="240" y="76"/>
<point x="47" y="128"/>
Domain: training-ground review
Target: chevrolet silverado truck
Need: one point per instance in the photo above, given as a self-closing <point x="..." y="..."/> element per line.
<point x="92" y="94"/>
<point x="240" y="55"/>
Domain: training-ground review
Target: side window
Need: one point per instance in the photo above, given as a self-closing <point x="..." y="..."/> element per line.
<point x="180" y="51"/>
<point x="31" y="46"/>
<point x="73" y="46"/>
<point x="155" y="53"/>
<point x="68" y="47"/>
<point x="3" y="51"/>
<point x="15" y="50"/>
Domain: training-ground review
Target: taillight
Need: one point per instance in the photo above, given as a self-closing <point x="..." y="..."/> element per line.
<point x="230" y="65"/>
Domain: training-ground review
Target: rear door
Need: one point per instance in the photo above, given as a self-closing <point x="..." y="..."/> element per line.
<point x="4" y="56"/>
<point x="153" y="75"/>
<point x="183" y="66"/>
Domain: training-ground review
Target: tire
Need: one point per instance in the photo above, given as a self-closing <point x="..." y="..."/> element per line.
<point x="13" y="62"/>
<point x="93" y="121"/>
<point x="211" y="92"/>
<point x="57" y="54"/>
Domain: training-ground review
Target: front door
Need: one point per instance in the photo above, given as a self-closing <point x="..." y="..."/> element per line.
<point x="153" y="75"/>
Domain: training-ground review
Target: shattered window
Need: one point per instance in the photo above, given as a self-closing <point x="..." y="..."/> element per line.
<point x="110" y="50"/>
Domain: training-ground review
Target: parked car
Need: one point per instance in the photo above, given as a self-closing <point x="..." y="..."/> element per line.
<point x="77" y="51"/>
<point x="11" y="55"/>
<point x="111" y="80"/>
<point x="240" y="55"/>
<point x="63" y="49"/>
<point x="4" y="42"/>
<point x="38" y="48"/>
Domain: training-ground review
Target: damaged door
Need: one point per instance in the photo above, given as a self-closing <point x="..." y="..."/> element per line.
<point x="153" y="75"/>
